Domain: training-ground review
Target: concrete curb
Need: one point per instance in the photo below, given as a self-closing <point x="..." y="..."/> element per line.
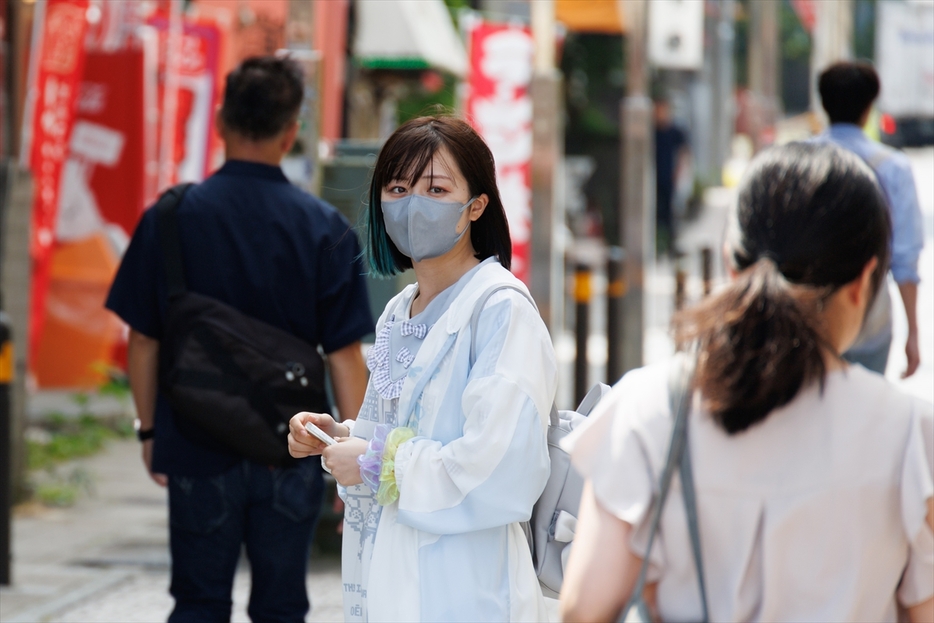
<point x="42" y="613"/>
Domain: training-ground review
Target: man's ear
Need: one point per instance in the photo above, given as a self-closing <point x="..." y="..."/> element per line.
<point x="289" y="137"/>
<point x="219" y="125"/>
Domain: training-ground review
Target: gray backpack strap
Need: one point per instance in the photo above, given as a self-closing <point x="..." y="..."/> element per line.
<point x="475" y="316"/>
<point x="475" y="322"/>
<point x="690" y="509"/>
<point x="679" y="391"/>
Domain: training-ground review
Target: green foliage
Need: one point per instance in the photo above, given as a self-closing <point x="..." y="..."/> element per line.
<point x="455" y="7"/>
<point x="57" y="494"/>
<point x="594" y="81"/>
<point x="796" y="42"/>
<point x="59" y="490"/>
<point x="59" y="438"/>
<point x="419" y="101"/>
<point x="594" y="85"/>
<point x="70" y="438"/>
<point x="864" y="29"/>
<point x="117" y="385"/>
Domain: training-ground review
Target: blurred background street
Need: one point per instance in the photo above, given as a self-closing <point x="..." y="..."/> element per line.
<point x="584" y="103"/>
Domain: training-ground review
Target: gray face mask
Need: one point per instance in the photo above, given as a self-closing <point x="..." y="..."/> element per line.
<point x="423" y="228"/>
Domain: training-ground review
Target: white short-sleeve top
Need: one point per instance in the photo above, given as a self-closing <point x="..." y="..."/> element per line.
<point x="815" y="514"/>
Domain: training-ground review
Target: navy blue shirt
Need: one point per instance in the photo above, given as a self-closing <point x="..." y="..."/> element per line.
<point x="668" y="141"/>
<point x="254" y="241"/>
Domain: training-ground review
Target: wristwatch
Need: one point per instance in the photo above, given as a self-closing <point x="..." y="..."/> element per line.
<point x="143" y="435"/>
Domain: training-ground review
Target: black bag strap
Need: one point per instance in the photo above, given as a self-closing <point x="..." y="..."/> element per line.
<point x="680" y="392"/>
<point x="169" y="239"/>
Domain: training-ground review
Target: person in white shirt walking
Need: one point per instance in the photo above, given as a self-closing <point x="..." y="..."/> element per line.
<point x="814" y="478"/>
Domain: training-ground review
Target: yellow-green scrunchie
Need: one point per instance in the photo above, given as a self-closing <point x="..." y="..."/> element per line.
<point x="388" y="492"/>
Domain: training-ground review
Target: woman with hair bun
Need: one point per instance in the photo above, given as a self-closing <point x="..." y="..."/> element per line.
<point x="814" y="478"/>
<point x="448" y="454"/>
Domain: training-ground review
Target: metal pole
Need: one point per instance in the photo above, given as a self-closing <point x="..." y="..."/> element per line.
<point x="16" y="201"/>
<point x="707" y="269"/>
<point x="637" y="221"/>
<point x="547" y="140"/>
<point x="6" y="447"/>
<point x="832" y="42"/>
<point x="300" y="45"/>
<point x="680" y="283"/>
<point x="615" y="290"/>
<point x="764" y="70"/>
<point x="583" y="291"/>
<point x="725" y="105"/>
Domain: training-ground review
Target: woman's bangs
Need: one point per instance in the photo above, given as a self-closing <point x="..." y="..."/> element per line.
<point x="408" y="159"/>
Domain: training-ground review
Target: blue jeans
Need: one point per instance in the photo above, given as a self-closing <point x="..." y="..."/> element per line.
<point x="270" y="511"/>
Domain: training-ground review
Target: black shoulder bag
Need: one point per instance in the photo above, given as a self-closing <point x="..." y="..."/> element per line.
<point x="232" y="378"/>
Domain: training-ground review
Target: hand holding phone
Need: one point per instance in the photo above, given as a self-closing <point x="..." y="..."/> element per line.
<point x="320" y="434"/>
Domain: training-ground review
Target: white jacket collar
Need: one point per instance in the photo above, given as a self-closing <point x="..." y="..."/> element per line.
<point x="461" y="308"/>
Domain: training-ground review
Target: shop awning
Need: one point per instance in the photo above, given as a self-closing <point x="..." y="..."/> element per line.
<point x="408" y="34"/>
<point x="601" y="16"/>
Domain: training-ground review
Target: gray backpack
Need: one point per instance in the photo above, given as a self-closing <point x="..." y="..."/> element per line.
<point x="554" y="515"/>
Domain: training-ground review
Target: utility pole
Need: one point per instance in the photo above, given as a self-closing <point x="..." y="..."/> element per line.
<point x="546" y="270"/>
<point x="16" y="200"/>
<point x="637" y="221"/>
<point x="833" y="41"/>
<point x="764" y="70"/>
<point x="724" y="103"/>
<point x="300" y="30"/>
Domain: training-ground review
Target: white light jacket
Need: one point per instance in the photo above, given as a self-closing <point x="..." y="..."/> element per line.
<point x="451" y="548"/>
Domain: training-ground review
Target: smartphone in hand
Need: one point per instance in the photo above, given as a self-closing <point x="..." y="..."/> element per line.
<point x="320" y="434"/>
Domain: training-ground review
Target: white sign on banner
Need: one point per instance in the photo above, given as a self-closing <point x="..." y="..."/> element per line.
<point x="676" y="34"/>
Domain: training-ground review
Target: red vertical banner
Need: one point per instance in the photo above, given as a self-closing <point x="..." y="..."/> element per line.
<point x="806" y="12"/>
<point x="102" y="199"/>
<point x="192" y="75"/>
<point x="59" y="61"/>
<point x="499" y="105"/>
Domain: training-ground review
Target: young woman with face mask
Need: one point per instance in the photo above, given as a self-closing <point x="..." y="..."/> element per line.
<point x="448" y="454"/>
<point x="813" y="478"/>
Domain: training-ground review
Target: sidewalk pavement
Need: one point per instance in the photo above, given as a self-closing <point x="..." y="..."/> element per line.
<point x="106" y="558"/>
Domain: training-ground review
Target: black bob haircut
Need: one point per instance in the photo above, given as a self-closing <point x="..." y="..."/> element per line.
<point x="847" y="90"/>
<point x="405" y="156"/>
<point x="263" y="97"/>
